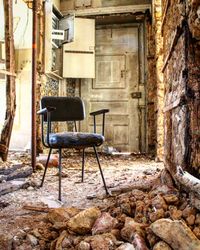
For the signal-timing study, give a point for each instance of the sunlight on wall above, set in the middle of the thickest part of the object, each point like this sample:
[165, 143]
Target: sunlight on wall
[22, 26]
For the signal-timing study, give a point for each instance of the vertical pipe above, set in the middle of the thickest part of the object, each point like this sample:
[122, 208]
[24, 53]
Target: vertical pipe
[34, 81]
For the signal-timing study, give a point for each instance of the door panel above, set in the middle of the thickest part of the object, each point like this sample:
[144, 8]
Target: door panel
[117, 76]
[109, 72]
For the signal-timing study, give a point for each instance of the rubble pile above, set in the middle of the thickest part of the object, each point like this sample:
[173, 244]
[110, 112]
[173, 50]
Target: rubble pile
[160, 219]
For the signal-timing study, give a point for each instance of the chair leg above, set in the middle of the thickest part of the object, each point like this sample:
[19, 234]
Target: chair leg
[97, 157]
[83, 164]
[46, 165]
[60, 173]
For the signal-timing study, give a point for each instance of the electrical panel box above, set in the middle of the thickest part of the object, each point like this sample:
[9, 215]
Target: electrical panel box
[66, 24]
[79, 55]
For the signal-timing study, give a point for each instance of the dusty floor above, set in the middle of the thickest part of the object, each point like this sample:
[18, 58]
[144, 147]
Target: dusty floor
[119, 171]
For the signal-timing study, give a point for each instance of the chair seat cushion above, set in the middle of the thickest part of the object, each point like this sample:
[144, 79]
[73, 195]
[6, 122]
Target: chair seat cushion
[75, 140]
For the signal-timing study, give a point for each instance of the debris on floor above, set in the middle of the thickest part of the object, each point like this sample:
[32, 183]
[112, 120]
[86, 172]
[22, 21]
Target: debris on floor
[158, 218]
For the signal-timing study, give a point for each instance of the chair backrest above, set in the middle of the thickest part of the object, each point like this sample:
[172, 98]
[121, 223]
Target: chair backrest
[67, 108]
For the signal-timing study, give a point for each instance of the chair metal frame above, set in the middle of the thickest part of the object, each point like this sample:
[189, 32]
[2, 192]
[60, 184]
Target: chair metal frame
[46, 113]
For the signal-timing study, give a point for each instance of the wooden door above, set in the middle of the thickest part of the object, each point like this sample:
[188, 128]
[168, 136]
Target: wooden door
[116, 87]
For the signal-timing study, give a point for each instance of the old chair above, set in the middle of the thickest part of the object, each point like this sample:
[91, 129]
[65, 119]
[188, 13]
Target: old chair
[62, 109]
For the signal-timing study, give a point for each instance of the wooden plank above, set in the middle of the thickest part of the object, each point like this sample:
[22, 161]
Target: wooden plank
[190, 182]
[11, 186]
[10, 84]
[37, 209]
[171, 102]
[5, 72]
[175, 39]
[109, 10]
[167, 4]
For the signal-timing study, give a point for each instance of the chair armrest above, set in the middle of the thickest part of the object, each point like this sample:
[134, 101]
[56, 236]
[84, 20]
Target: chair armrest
[46, 114]
[99, 112]
[46, 110]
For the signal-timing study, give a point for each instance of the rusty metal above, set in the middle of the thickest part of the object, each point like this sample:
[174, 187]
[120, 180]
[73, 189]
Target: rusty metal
[34, 81]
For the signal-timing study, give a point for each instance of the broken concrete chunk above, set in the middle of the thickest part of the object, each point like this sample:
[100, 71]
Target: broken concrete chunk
[176, 234]
[161, 245]
[83, 222]
[84, 246]
[139, 242]
[159, 203]
[170, 198]
[6, 241]
[62, 214]
[130, 228]
[102, 242]
[53, 161]
[158, 214]
[32, 239]
[126, 246]
[104, 224]
[189, 211]
[60, 240]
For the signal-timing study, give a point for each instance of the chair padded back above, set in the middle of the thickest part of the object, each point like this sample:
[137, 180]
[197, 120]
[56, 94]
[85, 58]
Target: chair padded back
[67, 108]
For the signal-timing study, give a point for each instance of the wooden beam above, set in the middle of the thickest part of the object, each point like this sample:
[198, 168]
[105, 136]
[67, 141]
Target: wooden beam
[8, 73]
[173, 100]
[177, 35]
[34, 83]
[167, 4]
[188, 181]
[109, 10]
[10, 84]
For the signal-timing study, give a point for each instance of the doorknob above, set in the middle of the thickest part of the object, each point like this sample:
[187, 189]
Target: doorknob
[136, 95]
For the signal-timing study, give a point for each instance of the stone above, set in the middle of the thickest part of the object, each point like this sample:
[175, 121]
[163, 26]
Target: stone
[53, 161]
[159, 203]
[140, 206]
[62, 214]
[60, 240]
[83, 246]
[196, 231]
[171, 198]
[126, 208]
[104, 224]
[39, 166]
[130, 228]
[190, 220]
[126, 246]
[163, 189]
[6, 242]
[189, 211]
[151, 237]
[175, 214]
[32, 239]
[102, 241]
[83, 222]
[158, 214]
[161, 245]
[176, 234]
[139, 242]
[116, 233]
[197, 219]
[138, 194]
